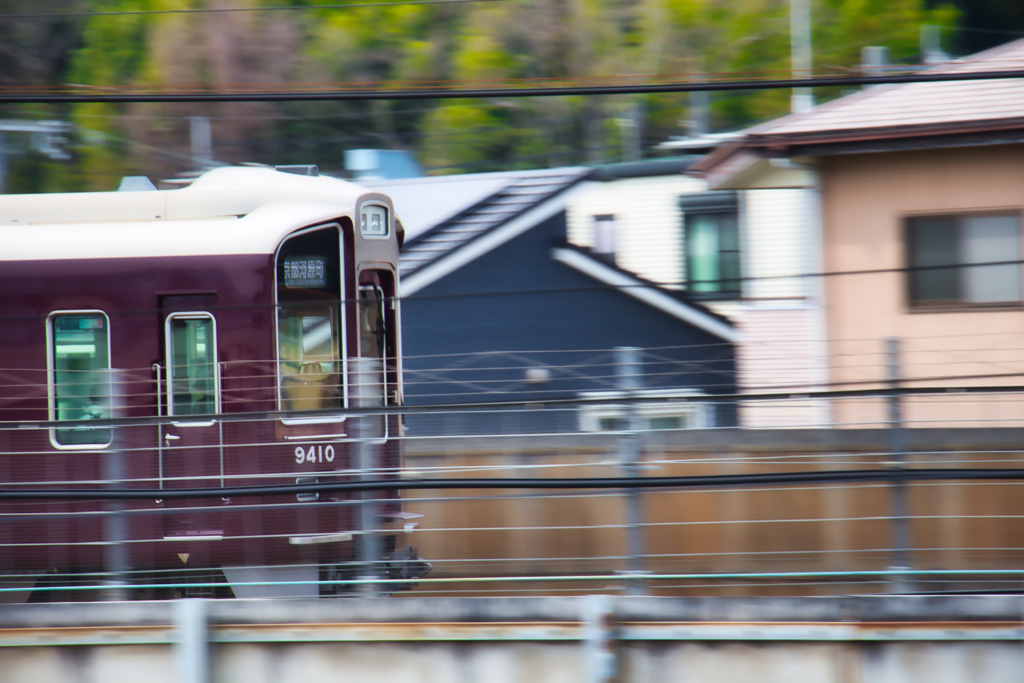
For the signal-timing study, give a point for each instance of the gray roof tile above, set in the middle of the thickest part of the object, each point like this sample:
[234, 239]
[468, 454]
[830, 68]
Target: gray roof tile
[920, 104]
[524, 190]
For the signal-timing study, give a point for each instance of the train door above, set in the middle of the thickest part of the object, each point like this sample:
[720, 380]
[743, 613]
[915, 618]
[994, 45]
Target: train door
[378, 381]
[311, 377]
[371, 382]
[192, 441]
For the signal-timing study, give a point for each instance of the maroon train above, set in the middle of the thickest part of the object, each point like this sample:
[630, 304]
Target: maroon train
[230, 324]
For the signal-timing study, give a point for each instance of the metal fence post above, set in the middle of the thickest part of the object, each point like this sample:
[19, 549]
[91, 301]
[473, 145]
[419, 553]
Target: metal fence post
[365, 374]
[900, 583]
[192, 647]
[598, 638]
[627, 359]
[115, 531]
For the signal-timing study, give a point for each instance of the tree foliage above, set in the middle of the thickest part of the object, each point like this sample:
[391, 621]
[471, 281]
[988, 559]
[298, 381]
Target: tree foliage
[486, 43]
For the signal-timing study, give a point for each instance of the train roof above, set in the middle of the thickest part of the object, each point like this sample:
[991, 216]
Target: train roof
[231, 210]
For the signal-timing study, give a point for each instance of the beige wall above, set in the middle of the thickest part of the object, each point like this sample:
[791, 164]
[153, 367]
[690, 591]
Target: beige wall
[865, 199]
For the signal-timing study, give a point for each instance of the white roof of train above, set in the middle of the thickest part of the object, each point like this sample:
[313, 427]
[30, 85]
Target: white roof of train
[232, 210]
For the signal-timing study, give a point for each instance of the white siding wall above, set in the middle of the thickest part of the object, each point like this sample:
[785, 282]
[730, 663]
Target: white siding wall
[781, 351]
[776, 243]
[648, 223]
[781, 320]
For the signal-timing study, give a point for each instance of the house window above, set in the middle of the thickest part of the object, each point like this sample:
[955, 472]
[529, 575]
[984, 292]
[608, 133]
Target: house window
[958, 242]
[712, 244]
[604, 238]
[658, 409]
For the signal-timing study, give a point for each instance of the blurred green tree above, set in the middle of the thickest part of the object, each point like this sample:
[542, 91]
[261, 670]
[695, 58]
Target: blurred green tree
[486, 43]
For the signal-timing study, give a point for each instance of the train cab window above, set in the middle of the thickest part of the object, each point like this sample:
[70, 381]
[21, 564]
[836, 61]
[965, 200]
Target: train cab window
[309, 327]
[371, 381]
[80, 389]
[307, 348]
[193, 374]
[372, 332]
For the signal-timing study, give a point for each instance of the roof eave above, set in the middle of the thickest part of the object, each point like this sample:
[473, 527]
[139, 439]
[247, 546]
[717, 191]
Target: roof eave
[724, 169]
[783, 145]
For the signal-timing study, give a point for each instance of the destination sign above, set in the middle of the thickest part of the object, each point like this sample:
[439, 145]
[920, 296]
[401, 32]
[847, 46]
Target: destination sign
[305, 271]
[92, 322]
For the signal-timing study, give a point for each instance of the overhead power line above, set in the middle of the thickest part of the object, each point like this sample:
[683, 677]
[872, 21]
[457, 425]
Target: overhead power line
[669, 287]
[878, 388]
[226, 10]
[705, 481]
[385, 91]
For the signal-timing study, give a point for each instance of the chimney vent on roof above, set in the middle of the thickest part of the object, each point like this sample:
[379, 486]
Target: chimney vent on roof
[874, 60]
[931, 45]
[874, 56]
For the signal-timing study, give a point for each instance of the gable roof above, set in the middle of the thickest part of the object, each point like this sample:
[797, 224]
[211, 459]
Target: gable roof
[901, 116]
[522, 200]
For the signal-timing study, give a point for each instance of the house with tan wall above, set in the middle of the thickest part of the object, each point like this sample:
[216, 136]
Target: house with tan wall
[921, 190]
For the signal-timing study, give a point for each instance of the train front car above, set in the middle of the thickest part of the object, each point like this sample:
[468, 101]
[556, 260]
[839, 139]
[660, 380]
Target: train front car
[240, 332]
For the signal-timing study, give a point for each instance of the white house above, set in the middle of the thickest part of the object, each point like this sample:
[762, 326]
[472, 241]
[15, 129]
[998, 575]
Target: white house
[745, 254]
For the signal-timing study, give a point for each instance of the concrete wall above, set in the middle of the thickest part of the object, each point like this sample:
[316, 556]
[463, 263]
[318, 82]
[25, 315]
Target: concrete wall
[650, 640]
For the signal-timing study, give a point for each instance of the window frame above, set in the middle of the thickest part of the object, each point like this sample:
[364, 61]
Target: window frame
[960, 304]
[342, 326]
[51, 379]
[714, 203]
[169, 347]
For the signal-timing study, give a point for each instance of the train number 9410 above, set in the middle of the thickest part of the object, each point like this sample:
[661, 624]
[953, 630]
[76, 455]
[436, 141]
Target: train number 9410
[314, 453]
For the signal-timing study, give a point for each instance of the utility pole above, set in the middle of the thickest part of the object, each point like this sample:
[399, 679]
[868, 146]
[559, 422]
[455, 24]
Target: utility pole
[700, 103]
[202, 141]
[115, 530]
[800, 53]
[630, 129]
[627, 360]
[3, 162]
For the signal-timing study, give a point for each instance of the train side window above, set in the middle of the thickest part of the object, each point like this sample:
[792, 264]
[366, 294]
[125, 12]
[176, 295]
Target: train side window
[193, 374]
[79, 376]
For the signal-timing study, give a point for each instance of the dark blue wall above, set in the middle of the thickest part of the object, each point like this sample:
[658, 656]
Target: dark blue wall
[515, 302]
